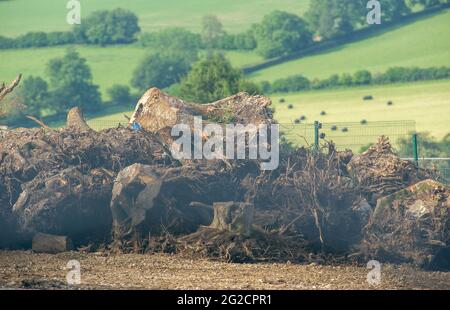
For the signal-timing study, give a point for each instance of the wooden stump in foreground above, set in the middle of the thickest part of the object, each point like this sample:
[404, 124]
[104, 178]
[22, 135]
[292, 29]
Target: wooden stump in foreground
[233, 216]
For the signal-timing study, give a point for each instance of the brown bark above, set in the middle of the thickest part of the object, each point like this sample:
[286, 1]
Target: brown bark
[75, 120]
[233, 216]
[157, 111]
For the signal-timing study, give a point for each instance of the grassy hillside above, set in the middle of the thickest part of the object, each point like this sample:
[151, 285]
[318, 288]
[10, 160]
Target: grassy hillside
[427, 103]
[110, 65]
[423, 43]
[20, 16]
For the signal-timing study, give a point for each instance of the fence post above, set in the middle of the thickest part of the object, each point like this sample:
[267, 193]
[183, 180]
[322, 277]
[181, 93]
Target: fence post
[415, 149]
[317, 127]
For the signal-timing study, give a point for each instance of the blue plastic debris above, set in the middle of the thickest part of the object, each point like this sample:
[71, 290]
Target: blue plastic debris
[136, 126]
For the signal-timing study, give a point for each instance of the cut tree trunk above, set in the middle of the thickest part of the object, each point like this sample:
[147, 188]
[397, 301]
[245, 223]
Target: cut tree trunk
[44, 243]
[233, 216]
[157, 111]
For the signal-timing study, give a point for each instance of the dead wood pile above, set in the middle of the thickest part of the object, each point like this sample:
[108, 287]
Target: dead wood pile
[60, 181]
[380, 172]
[152, 200]
[124, 183]
[412, 225]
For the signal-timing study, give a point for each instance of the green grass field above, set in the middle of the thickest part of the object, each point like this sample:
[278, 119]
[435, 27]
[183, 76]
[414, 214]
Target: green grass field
[426, 103]
[109, 65]
[423, 43]
[21, 16]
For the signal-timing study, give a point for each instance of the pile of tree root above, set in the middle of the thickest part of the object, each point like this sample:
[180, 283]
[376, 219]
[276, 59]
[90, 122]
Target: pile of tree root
[122, 188]
[60, 181]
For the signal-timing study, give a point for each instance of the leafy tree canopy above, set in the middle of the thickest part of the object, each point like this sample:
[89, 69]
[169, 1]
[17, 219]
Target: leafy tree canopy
[108, 27]
[281, 33]
[213, 78]
[71, 83]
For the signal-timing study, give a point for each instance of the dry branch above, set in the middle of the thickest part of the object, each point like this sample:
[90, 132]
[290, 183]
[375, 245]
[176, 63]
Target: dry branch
[41, 123]
[4, 90]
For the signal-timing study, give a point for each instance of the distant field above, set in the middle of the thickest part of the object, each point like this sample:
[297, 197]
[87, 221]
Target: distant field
[21, 16]
[423, 43]
[110, 65]
[426, 103]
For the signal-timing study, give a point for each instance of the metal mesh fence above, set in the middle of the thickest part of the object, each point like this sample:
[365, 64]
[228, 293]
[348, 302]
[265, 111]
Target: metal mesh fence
[346, 135]
[98, 124]
[354, 136]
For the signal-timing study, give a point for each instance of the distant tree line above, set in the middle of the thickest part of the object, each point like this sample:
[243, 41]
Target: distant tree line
[117, 26]
[332, 18]
[363, 77]
[278, 34]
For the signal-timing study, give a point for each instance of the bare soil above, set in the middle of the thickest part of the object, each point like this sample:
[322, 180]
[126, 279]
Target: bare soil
[25, 269]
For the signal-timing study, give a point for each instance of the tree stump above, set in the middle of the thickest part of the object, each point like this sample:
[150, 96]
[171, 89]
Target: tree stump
[75, 119]
[233, 216]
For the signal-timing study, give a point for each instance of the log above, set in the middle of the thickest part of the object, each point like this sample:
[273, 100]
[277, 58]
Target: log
[157, 111]
[233, 216]
[72, 203]
[45, 243]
